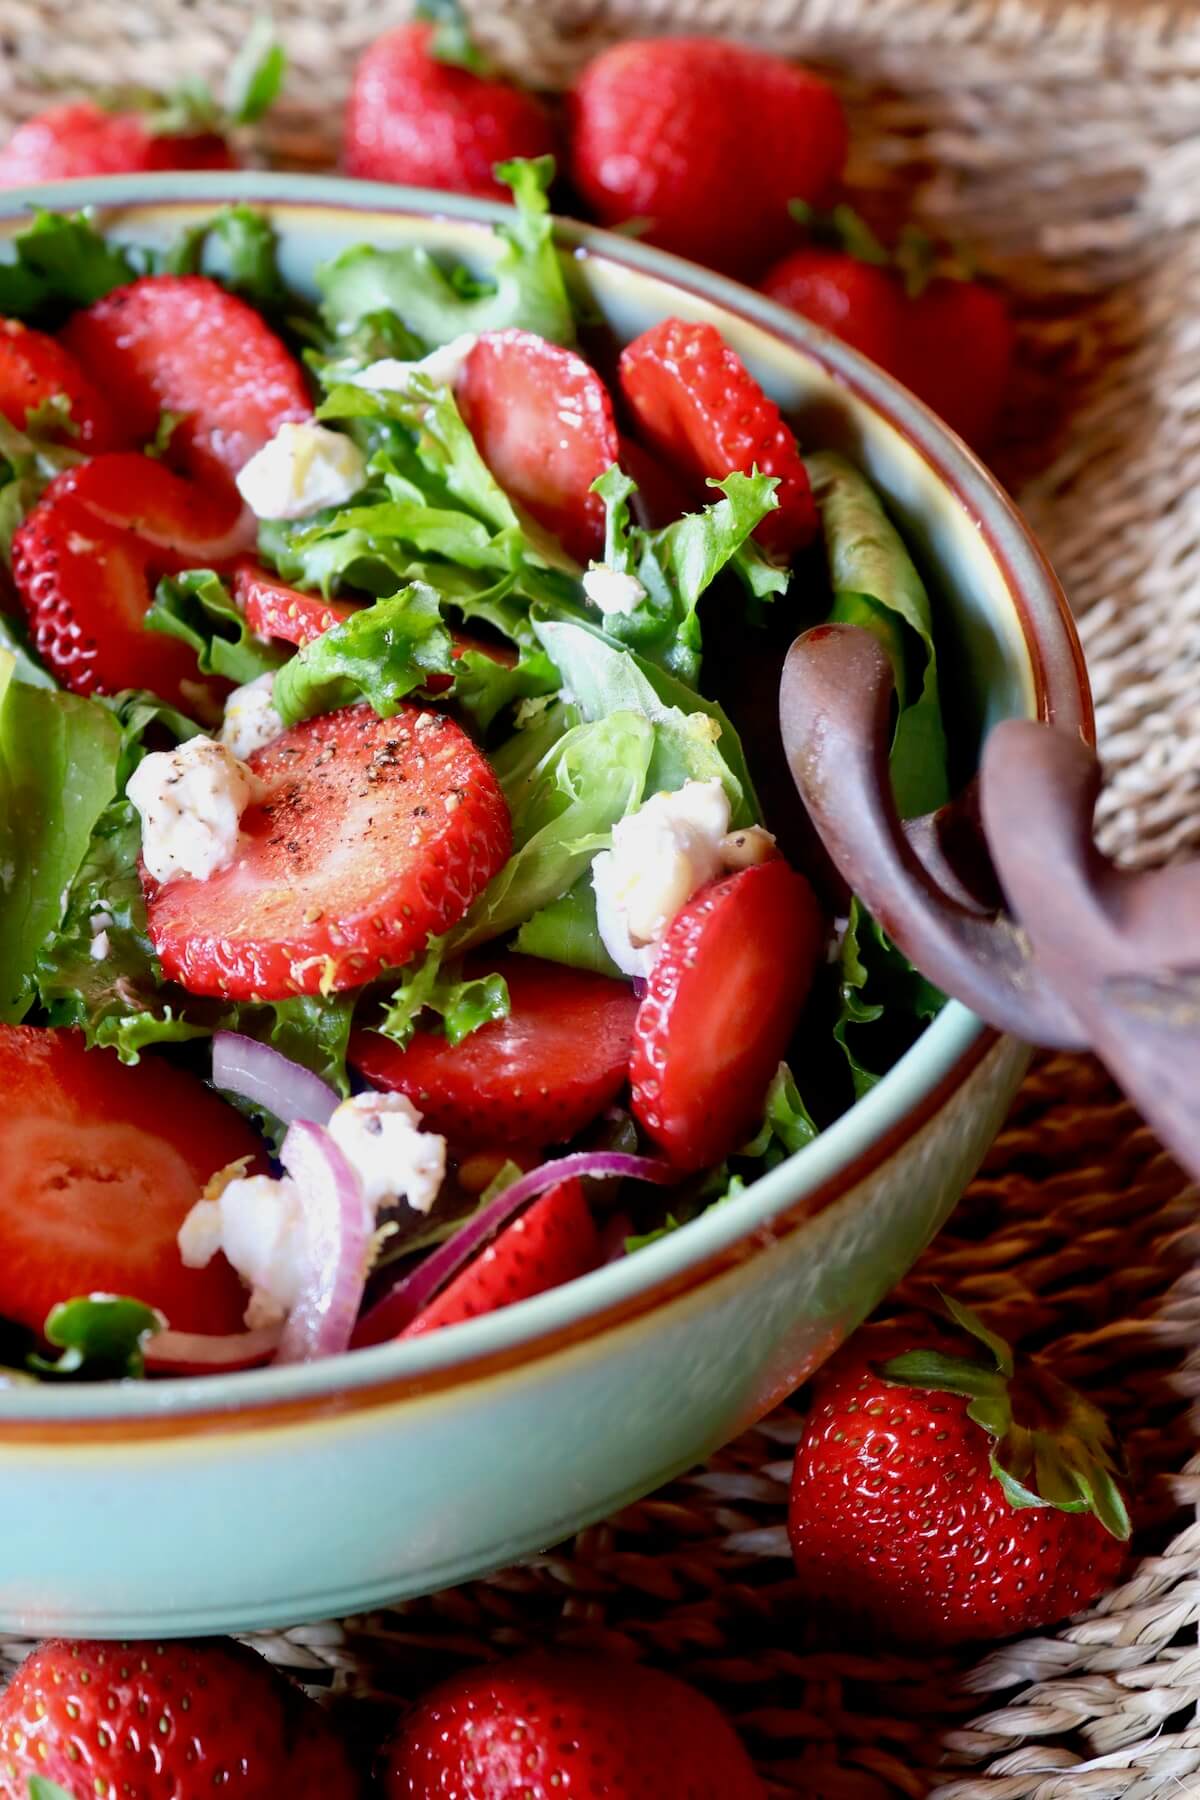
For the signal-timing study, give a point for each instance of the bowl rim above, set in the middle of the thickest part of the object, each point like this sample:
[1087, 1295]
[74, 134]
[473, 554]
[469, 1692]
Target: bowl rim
[722, 1239]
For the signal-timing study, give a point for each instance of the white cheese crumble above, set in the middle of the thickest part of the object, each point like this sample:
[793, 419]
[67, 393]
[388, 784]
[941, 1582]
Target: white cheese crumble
[442, 366]
[380, 1137]
[191, 800]
[250, 718]
[612, 591]
[304, 468]
[661, 854]
[262, 1227]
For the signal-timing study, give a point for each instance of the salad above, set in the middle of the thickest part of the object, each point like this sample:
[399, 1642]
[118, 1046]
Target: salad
[403, 904]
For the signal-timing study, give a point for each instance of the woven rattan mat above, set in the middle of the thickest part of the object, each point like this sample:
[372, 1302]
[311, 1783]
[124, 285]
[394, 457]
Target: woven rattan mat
[1063, 140]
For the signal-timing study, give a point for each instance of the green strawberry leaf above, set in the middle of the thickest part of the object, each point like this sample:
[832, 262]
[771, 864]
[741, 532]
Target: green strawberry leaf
[452, 41]
[256, 75]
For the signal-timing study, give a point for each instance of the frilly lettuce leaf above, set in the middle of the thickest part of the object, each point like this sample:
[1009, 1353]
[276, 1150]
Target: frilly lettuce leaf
[875, 584]
[197, 608]
[14, 640]
[240, 247]
[59, 756]
[461, 1005]
[526, 286]
[379, 654]
[884, 1001]
[29, 461]
[678, 563]
[101, 1337]
[58, 263]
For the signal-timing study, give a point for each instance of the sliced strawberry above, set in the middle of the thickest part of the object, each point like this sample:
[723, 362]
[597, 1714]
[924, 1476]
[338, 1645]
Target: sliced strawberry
[273, 609]
[543, 421]
[721, 1004]
[700, 407]
[371, 833]
[102, 1162]
[86, 561]
[535, 1078]
[35, 369]
[181, 344]
[554, 1241]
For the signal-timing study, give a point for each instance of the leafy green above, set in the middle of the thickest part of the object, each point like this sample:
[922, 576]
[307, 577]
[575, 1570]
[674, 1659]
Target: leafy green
[27, 665]
[58, 263]
[463, 1006]
[256, 74]
[197, 608]
[452, 41]
[878, 988]
[695, 739]
[100, 1336]
[29, 461]
[41, 1789]
[484, 687]
[379, 654]
[787, 1123]
[564, 810]
[875, 584]
[678, 563]
[312, 1029]
[566, 932]
[58, 769]
[240, 246]
[526, 287]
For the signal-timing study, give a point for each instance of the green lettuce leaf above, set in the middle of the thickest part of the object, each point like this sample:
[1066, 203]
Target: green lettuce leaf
[787, 1123]
[59, 263]
[58, 770]
[380, 655]
[678, 563]
[312, 1029]
[566, 932]
[256, 75]
[564, 809]
[41, 1789]
[101, 1337]
[14, 640]
[884, 1002]
[197, 608]
[526, 287]
[695, 739]
[875, 584]
[484, 688]
[461, 1005]
[240, 247]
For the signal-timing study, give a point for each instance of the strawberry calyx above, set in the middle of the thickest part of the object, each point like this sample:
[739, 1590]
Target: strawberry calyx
[1050, 1446]
[451, 40]
[915, 257]
[250, 89]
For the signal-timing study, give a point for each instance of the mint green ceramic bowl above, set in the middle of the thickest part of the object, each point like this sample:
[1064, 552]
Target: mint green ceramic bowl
[281, 1495]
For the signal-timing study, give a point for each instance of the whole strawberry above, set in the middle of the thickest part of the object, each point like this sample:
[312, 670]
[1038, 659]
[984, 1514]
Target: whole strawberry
[146, 132]
[940, 1495]
[416, 116]
[146, 1721]
[541, 1727]
[708, 141]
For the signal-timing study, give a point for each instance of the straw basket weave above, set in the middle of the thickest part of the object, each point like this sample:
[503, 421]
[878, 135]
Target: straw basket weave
[1063, 140]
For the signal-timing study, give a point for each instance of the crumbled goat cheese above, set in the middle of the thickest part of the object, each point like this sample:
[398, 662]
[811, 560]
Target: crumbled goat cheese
[612, 591]
[250, 718]
[442, 366]
[304, 467]
[262, 1227]
[380, 1137]
[191, 800]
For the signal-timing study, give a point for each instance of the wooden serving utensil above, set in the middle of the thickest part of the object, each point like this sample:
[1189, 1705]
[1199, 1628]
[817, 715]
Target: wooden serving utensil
[1002, 898]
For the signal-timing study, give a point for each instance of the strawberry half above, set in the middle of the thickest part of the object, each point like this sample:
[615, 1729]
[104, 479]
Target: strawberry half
[721, 1004]
[273, 609]
[103, 1161]
[35, 369]
[545, 1724]
[532, 1079]
[181, 344]
[165, 1719]
[370, 834]
[88, 556]
[543, 421]
[551, 1243]
[700, 407]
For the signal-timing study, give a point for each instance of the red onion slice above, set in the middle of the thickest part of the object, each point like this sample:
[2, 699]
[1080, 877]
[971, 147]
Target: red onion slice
[266, 1077]
[197, 1353]
[339, 1229]
[401, 1304]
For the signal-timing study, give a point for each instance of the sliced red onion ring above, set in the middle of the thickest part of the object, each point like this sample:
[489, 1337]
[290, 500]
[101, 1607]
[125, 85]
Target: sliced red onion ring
[266, 1077]
[339, 1229]
[401, 1304]
[197, 1353]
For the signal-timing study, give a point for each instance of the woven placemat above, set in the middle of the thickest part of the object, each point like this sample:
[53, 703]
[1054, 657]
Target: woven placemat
[1062, 141]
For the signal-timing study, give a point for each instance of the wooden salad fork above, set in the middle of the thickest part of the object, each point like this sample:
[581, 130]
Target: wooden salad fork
[1002, 898]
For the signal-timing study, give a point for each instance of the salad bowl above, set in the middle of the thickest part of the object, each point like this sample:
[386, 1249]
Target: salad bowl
[267, 1497]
